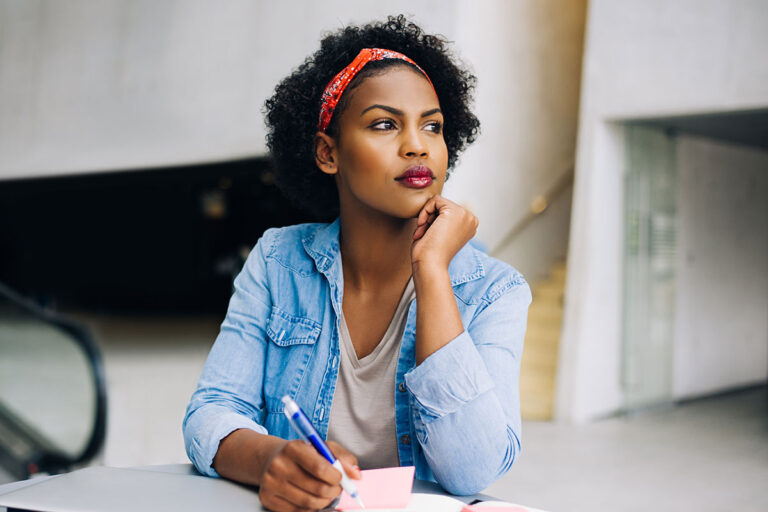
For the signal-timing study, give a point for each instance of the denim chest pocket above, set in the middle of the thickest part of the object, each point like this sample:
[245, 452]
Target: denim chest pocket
[292, 344]
[285, 329]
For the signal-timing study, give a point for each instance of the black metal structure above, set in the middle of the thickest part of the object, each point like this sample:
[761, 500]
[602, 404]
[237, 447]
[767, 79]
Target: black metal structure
[23, 450]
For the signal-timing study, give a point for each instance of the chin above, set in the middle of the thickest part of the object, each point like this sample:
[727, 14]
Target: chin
[412, 210]
[407, 207]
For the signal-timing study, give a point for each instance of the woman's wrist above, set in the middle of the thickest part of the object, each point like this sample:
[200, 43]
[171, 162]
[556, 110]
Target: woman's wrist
[244, 454]
[429, 280]
[429, 270]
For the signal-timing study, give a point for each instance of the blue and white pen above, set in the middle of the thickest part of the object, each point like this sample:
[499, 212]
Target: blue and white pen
[304, 428]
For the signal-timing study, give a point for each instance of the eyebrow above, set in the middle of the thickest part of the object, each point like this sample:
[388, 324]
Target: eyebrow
[397, 111]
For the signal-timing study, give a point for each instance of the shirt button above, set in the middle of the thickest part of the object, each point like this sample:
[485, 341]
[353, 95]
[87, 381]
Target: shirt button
[401, 387]
[406, 439]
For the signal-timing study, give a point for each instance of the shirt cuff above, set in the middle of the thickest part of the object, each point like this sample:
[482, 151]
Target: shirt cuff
[204, 450]
[449, 378]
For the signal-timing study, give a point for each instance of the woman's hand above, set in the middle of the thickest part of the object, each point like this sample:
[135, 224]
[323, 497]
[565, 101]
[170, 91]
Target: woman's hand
[297, 478]
[443, 227]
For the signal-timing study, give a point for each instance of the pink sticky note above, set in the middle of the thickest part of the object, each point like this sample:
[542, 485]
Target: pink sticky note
[489, 508]
[381, 488]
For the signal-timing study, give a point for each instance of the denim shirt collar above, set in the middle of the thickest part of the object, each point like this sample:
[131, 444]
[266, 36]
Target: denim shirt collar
[322, 245]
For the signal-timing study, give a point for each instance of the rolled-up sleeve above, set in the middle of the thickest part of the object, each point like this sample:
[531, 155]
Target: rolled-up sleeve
[229, 393]
[466, 395]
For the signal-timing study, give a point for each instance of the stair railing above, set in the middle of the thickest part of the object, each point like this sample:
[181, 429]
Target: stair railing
[538, 205]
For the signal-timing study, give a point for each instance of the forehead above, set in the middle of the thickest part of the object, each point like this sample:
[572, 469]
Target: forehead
[399, 87]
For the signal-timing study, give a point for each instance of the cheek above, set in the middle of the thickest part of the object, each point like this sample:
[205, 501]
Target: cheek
[369, 158]
[443, 156]
[365, 156]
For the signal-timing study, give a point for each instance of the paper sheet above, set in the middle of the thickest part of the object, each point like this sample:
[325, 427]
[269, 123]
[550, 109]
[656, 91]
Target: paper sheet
[386, 488]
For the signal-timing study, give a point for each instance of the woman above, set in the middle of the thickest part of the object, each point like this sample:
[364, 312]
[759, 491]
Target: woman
[400, 340]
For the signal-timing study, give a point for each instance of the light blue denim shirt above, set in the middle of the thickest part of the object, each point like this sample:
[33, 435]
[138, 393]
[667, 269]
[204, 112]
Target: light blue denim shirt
[457, 414]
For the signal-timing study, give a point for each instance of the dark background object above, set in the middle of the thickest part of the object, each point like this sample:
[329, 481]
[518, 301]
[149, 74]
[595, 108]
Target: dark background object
[153, 241]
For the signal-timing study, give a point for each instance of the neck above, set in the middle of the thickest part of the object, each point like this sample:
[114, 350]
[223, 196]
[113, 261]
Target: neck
[375, 249]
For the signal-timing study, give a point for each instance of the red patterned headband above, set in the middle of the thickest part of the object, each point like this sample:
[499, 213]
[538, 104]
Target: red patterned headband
[335, 88]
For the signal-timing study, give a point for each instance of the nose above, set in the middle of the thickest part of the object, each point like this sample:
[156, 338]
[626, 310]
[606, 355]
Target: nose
[413, 143]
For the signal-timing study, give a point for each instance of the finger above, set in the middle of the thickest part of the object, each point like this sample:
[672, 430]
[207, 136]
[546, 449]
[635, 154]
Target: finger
[316, 487]
[430, 219]
[438, 205]
[342, 453]
[279, 504]
[312, 462]
[301, 498]
[347, 458]
[351, 469]
[439, 202]
[428, 208]
[307, 483]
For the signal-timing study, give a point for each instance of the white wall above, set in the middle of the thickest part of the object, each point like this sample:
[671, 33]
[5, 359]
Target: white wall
[721, 331]
[642, 58]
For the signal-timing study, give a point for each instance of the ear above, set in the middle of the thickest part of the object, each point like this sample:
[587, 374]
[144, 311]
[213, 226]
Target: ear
[325, 153]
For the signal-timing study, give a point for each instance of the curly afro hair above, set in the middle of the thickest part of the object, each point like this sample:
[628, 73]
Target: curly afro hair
[292, 112]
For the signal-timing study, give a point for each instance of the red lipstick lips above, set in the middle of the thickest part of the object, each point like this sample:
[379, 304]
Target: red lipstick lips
[418, 176]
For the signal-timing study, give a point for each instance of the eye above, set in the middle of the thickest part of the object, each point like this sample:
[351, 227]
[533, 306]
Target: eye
[435, 127]
[383, 125]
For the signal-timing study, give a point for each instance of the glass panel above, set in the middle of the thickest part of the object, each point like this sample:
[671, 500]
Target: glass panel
[46, 382]
[649, 267]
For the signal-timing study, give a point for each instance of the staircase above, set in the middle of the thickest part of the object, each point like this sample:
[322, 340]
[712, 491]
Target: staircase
[538, 369]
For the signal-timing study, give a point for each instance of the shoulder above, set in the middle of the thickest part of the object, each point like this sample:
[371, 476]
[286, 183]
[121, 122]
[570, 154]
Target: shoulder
[480, 278]
[276, 240]
[285, 246]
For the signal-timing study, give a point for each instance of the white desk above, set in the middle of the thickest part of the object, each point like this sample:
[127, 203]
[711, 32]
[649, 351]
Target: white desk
[419, 486]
